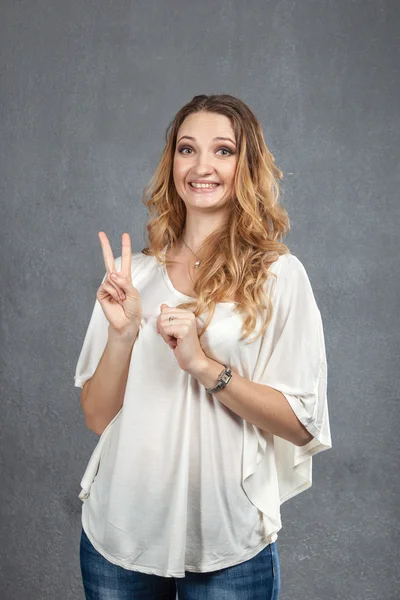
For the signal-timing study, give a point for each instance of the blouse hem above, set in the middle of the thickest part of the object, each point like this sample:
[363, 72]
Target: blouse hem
[163, 573]
[252, 554]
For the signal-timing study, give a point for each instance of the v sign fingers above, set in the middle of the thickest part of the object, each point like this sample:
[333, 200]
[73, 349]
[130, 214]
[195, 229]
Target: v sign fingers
[119, 299]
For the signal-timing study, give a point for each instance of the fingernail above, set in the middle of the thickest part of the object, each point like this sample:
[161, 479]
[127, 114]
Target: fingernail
[113, 275]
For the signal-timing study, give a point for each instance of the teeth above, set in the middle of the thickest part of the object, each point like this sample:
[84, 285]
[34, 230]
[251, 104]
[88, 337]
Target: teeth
[204, 185]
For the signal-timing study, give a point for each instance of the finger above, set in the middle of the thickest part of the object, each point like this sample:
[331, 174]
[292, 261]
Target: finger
[115, 285]
[172, 311]
[109, 289]
[107, 252]
[169, 338]
[177, 317]
[173, 329]
[108, 256]
[124, 283]
[176, 321]
[126, 256]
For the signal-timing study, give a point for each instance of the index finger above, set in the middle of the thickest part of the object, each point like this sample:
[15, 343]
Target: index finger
[126, 256]
[107, 252]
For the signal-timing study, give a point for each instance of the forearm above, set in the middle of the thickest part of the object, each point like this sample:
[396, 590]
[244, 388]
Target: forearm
[102, 396]
[259, 404]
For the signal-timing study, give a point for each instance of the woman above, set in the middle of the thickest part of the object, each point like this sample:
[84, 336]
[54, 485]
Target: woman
[205, 429]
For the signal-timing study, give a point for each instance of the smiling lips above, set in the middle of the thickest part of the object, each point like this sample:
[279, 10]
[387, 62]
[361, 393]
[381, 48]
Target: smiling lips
[202, 187]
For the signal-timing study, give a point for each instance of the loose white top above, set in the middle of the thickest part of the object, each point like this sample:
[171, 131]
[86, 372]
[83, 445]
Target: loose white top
[177, 480]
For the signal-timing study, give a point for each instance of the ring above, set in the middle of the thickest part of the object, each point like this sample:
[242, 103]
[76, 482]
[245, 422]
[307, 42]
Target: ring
[170, 318]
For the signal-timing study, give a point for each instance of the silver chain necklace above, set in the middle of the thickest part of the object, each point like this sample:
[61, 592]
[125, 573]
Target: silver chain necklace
[197, 261]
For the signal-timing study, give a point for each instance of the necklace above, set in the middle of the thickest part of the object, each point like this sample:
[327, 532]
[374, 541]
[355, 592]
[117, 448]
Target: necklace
[197, 261]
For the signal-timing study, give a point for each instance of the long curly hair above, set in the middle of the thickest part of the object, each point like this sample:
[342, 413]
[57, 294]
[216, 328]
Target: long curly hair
[235, 257]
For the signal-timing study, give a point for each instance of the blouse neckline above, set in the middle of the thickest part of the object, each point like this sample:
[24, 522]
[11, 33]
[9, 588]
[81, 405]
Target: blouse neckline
[173, 289]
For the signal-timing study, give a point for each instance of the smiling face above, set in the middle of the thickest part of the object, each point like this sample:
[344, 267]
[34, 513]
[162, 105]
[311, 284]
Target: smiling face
[202, 157]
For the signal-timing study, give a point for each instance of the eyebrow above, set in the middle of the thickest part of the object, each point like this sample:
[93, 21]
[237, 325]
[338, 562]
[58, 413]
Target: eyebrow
[216, 138]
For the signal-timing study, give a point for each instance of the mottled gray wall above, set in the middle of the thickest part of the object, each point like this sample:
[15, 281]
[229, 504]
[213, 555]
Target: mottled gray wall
[87, 90]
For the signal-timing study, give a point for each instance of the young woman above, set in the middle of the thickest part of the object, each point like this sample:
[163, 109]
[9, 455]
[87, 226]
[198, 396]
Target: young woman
[204, 372]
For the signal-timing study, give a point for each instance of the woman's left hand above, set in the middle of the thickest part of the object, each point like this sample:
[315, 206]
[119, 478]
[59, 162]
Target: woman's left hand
[181, 335]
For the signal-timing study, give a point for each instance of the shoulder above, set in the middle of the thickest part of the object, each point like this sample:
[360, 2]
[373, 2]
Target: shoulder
[288, 265]
[291, 279]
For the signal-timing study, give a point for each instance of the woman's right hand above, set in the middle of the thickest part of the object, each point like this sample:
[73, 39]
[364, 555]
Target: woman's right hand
[119, 300]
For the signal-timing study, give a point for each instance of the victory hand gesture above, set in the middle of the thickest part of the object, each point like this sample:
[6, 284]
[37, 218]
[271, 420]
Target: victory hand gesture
[119, 300]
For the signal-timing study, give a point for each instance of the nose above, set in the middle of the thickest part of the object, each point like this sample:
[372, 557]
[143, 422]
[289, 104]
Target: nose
[203, 166]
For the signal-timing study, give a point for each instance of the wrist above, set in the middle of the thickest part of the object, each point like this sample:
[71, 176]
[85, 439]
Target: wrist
[126, 335]
[207, 372]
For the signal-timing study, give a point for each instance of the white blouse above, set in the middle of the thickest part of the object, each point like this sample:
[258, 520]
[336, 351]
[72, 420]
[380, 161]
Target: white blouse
[179, 482]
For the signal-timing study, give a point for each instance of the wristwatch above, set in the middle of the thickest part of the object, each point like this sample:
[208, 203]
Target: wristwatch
[223, 379]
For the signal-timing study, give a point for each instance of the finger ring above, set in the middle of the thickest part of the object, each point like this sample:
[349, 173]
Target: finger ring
[170, 318]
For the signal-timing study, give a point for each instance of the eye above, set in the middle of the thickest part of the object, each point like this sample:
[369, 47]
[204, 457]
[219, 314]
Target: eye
[182, 148]
[227, 149]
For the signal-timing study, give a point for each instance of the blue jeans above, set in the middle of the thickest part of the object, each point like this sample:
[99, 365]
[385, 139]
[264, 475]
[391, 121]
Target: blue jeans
[254, 579]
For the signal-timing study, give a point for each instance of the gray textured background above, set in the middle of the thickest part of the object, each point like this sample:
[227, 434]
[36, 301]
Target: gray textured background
[87, 90]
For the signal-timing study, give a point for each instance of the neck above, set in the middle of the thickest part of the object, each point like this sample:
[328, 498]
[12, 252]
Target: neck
[195, 236]
[198, 227]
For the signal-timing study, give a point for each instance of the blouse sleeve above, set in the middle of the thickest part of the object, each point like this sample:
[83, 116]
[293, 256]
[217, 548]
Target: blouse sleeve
[292, 360]
[94, 342]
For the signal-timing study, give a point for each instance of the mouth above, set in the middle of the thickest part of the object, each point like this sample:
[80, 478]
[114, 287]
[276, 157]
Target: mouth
[204, 188]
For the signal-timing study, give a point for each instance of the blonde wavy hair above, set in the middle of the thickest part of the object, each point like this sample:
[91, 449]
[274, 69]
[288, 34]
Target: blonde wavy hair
[235, 257]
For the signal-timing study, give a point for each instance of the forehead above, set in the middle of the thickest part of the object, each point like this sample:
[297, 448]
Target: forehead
[205, 125]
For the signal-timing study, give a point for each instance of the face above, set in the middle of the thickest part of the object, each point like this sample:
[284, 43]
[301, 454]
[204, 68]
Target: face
[200, 156]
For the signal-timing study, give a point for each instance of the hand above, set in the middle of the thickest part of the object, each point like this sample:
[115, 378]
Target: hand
[119, 300]
[181, 335]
